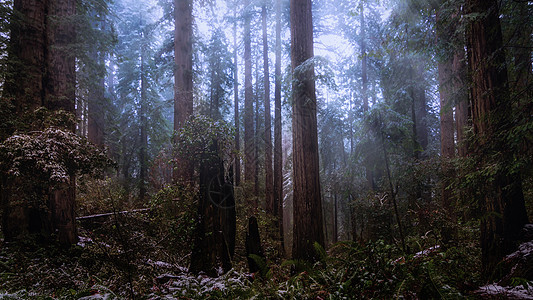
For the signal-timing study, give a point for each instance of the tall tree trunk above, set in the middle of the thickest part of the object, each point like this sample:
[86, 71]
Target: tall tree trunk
[421, 111]
[27, 48]
[446, 86]
[237, 162]
[278, 152]
[308, 221]
[269, 177]
[257, 131]
[144, 138]
[95, 105]
[249, 162]
[60, 94]
[364, 58]
[503, 202]
[24, 88]
[183, 75]
[364, 82]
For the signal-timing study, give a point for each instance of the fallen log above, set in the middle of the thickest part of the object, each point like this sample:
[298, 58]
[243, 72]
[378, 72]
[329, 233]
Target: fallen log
[106, 215]
[97, 220]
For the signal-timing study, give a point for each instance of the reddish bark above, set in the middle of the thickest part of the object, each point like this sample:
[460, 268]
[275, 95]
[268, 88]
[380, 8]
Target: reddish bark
[503, 201]
[183, 84]
[308, 221]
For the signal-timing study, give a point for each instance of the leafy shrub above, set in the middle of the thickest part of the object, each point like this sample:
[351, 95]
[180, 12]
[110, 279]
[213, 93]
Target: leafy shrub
[174, 217]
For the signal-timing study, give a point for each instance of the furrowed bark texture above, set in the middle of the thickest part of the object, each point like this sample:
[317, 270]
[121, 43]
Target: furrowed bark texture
[249, 161]
[60, 94]
[308, 222]
[503, 201]
[183, 84]
[278, 152]
[269, 177]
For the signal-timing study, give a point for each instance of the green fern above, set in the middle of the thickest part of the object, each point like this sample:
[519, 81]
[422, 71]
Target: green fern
[299, 265]
[261, 263]
[321, 252]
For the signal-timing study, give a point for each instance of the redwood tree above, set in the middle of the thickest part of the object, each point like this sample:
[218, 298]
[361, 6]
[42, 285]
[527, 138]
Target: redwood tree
[60, 94]
[503, 199]
[269, 177]
[237, 162]
[183, 75]
[24, 87]
[278, 159]
[249, 162]
[445, 29]
[44, 75]
[308, 222]
[27, 55]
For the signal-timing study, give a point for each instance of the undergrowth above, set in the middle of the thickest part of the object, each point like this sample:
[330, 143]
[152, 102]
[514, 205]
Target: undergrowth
[127, 263]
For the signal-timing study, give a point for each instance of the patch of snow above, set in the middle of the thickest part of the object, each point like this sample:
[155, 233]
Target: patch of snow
[82, 241]
[525, 249]
[427, 251]
[518, 292]
[186, 283]
[161, 264]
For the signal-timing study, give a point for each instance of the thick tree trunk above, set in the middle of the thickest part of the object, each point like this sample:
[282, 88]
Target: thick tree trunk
[27, 48]
[503, 201]
[308, 221]
[24, 89]
[249, 147]
[60, 94]
[214, 239]
[278, 152]
[269, 177]
[445, 29]
[447, 145]
[183, 75]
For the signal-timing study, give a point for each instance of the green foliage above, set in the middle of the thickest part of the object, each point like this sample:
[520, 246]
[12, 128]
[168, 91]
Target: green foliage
[139, 97]
[97, 195]
[261, 263]
[51, 155]
[321, 252]
[219, 73]
[196, 138]
[174, 217]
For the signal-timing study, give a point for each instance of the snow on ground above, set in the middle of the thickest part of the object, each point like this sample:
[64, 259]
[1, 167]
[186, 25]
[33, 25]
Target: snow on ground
[427, 252]
[524, 250]
[494, 290]
[185, 283]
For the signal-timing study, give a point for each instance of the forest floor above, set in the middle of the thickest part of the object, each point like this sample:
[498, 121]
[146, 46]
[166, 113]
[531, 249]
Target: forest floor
[120, 258]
